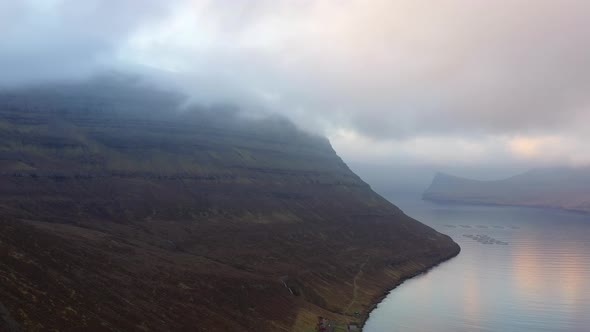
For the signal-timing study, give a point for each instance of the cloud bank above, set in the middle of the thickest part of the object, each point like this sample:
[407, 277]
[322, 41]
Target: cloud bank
[426, 81]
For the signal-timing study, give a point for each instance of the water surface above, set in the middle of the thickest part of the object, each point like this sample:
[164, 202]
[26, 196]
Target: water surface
[538, 281]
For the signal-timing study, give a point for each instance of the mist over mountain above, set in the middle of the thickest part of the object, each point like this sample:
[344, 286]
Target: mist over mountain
[454, 83]
[172, 165]
[122, 208]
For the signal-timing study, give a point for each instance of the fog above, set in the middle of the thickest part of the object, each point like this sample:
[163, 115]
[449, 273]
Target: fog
[481, 88]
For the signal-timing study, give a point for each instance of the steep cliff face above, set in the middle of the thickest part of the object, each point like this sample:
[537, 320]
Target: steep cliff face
[120, 213]
[563, 188]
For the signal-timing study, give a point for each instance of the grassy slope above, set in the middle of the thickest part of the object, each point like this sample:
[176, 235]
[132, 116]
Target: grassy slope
[118, 216]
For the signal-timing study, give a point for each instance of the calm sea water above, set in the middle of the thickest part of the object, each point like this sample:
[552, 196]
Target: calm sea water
[539, 281]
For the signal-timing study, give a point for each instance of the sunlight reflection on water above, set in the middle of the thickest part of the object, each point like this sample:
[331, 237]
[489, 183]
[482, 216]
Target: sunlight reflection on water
[539, 281]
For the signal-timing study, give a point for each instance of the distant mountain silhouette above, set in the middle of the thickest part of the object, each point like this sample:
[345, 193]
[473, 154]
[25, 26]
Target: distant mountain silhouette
[563, 188]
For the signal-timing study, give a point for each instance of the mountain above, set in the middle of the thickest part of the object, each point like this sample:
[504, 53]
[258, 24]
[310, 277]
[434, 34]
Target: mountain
[562, 188]
[122, 209]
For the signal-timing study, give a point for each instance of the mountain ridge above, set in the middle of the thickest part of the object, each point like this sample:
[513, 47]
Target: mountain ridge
[559, 187]
[119, 212]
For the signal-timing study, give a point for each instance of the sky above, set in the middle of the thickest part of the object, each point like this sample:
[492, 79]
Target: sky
[435, 84]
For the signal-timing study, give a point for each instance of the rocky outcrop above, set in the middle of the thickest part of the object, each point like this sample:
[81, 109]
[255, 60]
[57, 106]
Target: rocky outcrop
[119, 213]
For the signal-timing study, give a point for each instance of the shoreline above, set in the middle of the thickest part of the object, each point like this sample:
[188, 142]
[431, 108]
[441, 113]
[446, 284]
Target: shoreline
[380, 299]
[450, 201]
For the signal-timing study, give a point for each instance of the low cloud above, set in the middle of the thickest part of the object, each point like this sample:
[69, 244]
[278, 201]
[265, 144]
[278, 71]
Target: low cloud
[44, 40]
[446, 81]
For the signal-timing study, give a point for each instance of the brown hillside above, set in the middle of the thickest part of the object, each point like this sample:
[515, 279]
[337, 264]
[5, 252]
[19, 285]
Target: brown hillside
[118, 213]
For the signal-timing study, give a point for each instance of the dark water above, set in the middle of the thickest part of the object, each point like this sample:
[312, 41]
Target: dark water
[539, 281]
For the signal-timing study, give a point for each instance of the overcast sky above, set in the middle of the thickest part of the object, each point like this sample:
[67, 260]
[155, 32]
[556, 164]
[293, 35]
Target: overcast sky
[412, 82]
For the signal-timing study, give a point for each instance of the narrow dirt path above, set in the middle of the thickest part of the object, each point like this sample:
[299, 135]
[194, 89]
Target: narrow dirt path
[355, 287]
